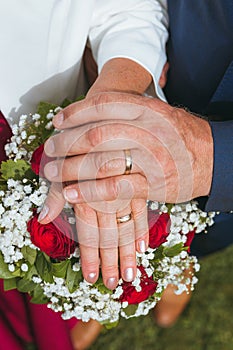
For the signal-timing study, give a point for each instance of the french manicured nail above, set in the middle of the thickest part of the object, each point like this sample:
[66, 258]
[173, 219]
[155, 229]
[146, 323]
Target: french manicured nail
[111, 283]
[129, 275]
[70, 194]
[44, 212]
[51, 170]
[142, 246]
[91, 277]
[58, 119]
[50, 147]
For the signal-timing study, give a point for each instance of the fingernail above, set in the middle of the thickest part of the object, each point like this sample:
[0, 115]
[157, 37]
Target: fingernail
[51, 170]
[70, 194]
[50, 147]
[142, 246]
[129, 275]
[111, 283]
[59, 118]
[92, 277]
[44, 212]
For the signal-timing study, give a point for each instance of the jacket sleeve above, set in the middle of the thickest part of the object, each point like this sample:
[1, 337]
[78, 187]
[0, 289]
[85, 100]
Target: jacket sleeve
[134, 29]
[221, 195]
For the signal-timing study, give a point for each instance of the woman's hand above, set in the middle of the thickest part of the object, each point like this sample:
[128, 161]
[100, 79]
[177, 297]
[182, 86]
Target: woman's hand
[101, 235]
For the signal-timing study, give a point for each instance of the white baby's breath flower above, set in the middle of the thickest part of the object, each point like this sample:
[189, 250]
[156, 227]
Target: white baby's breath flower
[24, 267]
[11, 267]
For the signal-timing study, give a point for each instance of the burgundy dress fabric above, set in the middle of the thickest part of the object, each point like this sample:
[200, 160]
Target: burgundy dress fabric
[22, 322]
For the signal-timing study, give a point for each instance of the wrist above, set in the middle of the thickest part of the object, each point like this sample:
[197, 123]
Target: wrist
[203, 164]
[121, 75]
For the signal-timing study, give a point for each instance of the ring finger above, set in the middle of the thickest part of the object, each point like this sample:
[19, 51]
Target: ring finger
[108, 247]
[127, 251]
[88, 238]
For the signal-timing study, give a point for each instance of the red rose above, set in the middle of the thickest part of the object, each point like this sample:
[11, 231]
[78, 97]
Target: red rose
[56, 238]
[159, 228]
[5, 135]
[147, 284]
[189, 239]
[39, 160]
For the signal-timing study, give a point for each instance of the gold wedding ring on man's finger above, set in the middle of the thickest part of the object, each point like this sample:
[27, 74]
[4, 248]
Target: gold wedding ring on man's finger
[124, 219]
[128, 162]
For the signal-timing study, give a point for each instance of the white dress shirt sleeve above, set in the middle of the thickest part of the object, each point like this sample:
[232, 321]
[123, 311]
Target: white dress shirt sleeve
[134, 29]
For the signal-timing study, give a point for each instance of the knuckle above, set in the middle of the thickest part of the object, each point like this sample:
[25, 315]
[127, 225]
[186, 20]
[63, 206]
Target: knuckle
[113, 188]
[139, 206]
[100, 163]
[110, 269]
[99, 100]
[84, 211]
[89, 264]
[128, 259]
[109, 242]
[127, 236]
[107, 190]
[88, 240]
[94, 136]
[55, 193]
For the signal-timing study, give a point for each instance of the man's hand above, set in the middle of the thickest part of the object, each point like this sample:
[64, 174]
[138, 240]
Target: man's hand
[172, 150]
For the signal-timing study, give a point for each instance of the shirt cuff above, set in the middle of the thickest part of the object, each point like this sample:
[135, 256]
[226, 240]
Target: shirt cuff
[221, 194]
[136, 53]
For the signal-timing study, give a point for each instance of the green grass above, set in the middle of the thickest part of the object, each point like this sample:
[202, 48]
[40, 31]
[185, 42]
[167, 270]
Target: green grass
[206, 324]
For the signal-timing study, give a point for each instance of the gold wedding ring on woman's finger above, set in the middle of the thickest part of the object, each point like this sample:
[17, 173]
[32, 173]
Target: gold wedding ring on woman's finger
[128, 162]
[124, 219]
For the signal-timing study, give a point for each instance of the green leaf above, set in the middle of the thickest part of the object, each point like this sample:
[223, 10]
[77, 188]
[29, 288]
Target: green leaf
[38, 296]
[59, 269]
[31, 272]
[47, 258]
[169, 207]
[173, 251]
[73, 278]
[14, 169]
[44, 268]
[159, 253]
[44, 108]
[4, 271]
[18, 272]
[80, 98]
[130, 309]
[29, 254]
[101, 287]
[68, 102]
[10, 284]
[30, 346]
[3, 184]
[110, 325]
[25, 286]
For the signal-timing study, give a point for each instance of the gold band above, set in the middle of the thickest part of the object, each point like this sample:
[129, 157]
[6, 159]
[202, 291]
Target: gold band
[128, 162]
[124, 218]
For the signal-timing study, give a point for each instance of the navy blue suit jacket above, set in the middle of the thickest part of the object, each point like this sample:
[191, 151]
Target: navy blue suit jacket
[200, 53]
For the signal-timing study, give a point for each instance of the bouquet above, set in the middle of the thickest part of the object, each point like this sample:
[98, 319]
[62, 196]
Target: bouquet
[44, 260]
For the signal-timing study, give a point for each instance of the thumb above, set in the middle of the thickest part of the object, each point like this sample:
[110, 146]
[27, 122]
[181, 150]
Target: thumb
[53, 205]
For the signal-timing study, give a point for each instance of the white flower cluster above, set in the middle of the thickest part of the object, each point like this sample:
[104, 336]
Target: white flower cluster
[16, 148]
[16, 206]
[89, 301]
[185, 217]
